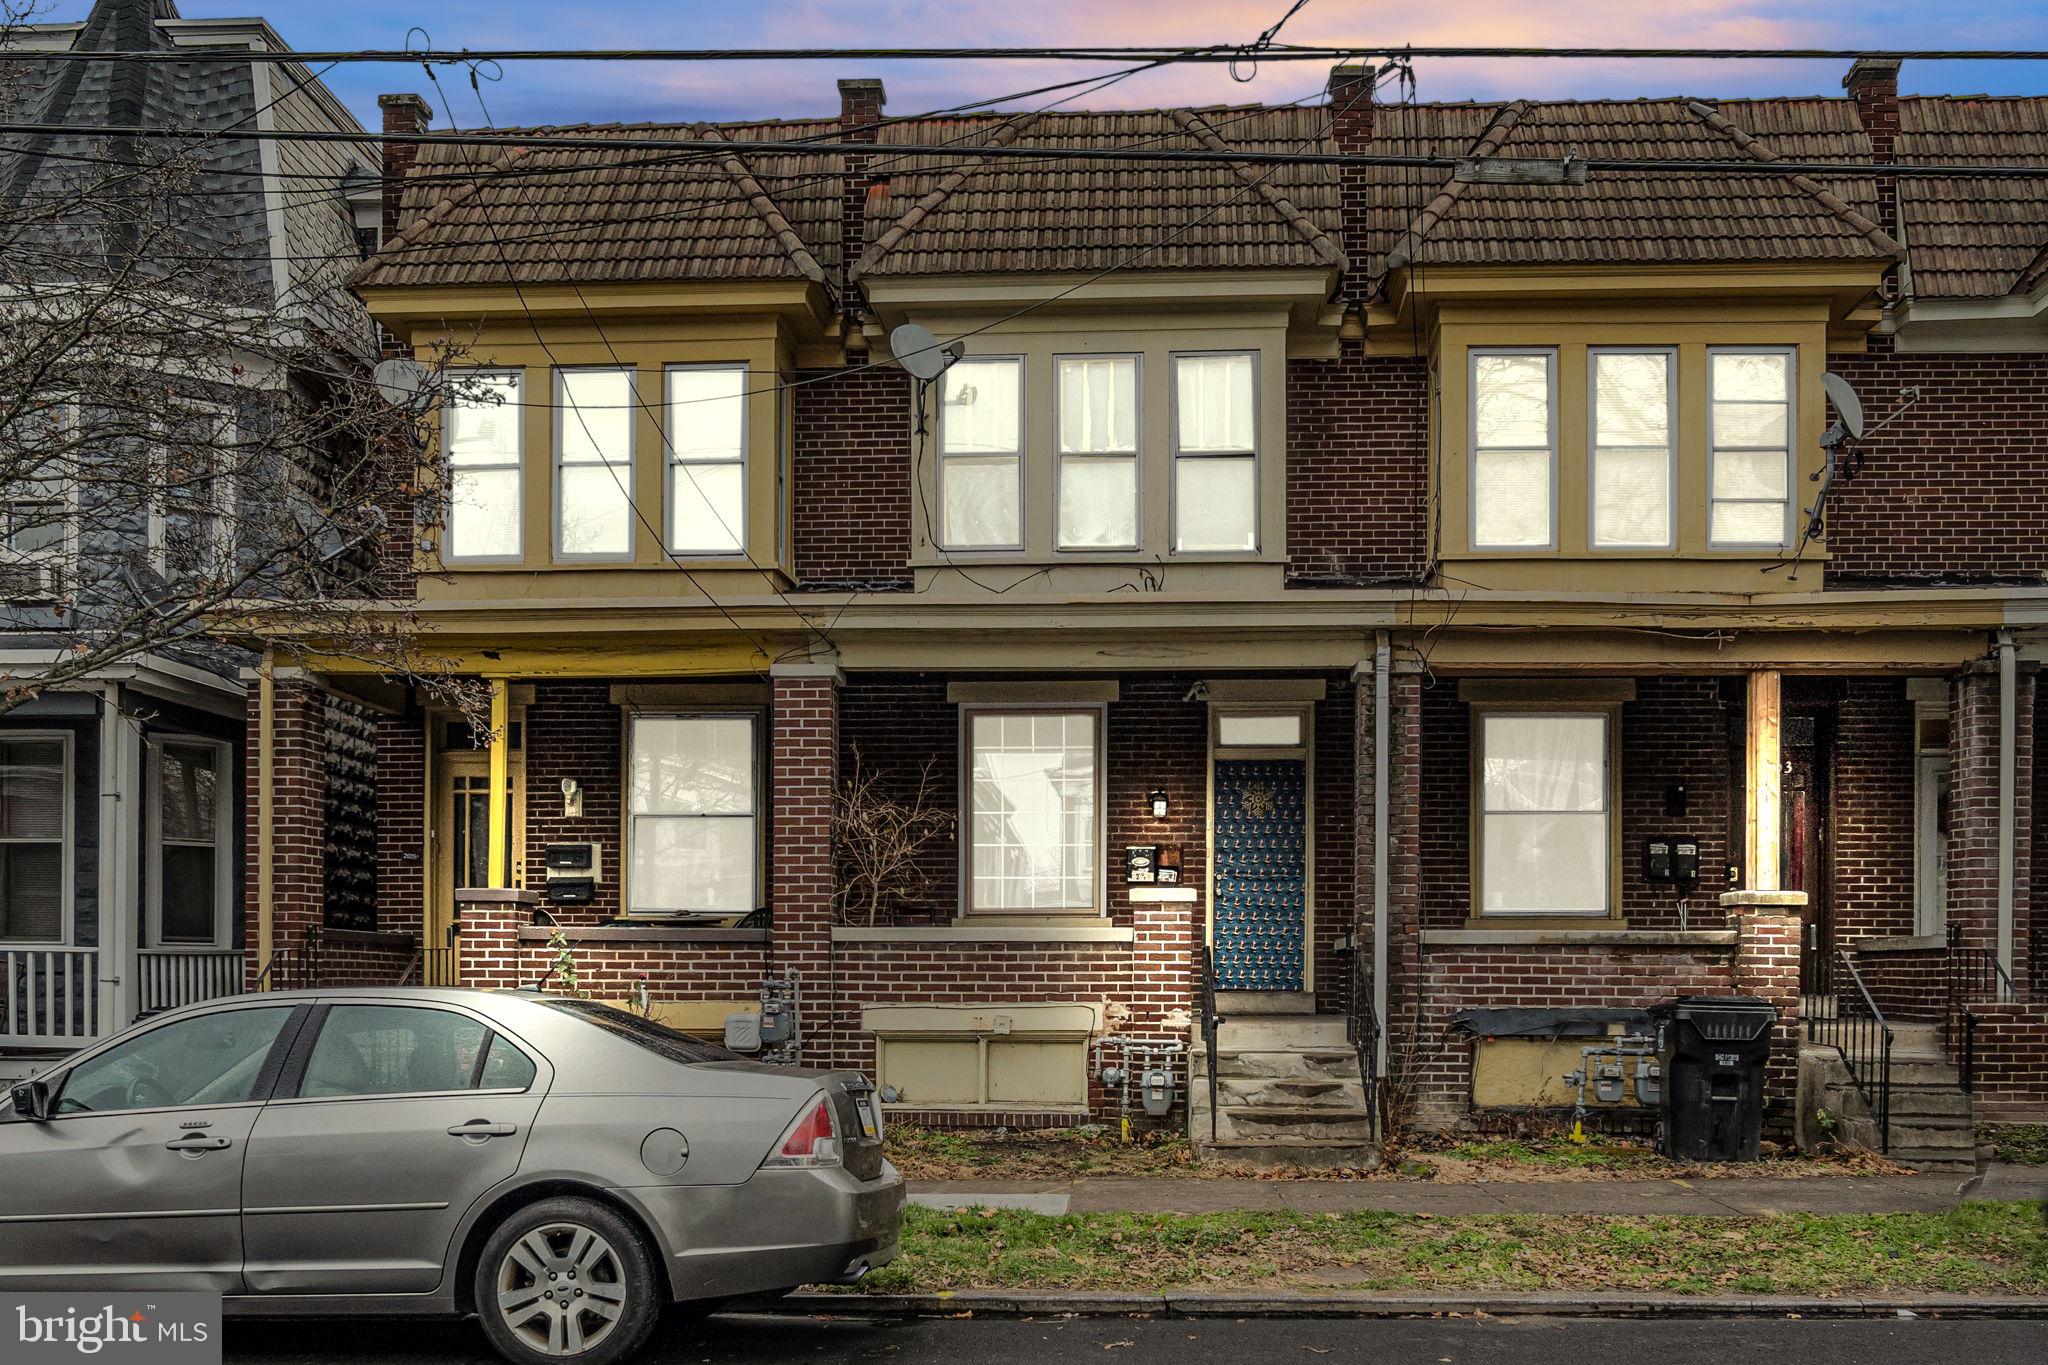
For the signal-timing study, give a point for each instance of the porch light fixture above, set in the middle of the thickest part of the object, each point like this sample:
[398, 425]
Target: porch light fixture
[1158, 799]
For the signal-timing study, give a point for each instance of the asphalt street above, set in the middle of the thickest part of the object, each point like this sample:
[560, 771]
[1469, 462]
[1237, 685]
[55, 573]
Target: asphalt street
[745, 1340]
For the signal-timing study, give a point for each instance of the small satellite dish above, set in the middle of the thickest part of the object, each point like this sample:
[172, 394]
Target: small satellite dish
[399, 380]
[919, 352]
[1846, 403]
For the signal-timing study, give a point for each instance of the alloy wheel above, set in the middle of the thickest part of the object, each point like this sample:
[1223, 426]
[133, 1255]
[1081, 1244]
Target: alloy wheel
[561, 1289]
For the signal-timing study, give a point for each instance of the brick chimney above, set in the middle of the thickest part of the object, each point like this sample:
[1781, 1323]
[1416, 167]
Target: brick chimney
[861, 101]
[1351, 128]
[1873, 86]
[402, 114]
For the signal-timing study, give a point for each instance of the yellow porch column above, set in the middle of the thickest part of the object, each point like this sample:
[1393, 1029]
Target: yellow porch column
[501, 783]
[1763, 825]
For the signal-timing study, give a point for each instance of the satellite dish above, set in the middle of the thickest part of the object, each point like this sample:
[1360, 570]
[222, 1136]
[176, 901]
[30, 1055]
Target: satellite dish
[919, 352]
[1846, 403]
[399, 380]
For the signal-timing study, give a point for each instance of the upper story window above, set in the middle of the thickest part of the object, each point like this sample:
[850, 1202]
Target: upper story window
[981, 455]
[1216, 453]
[1751, 401]
[485, 449]
[706, 492]
[35, 837]
[594, 411]
[1634, 464]
[1098, 452]
[192, 516]
[1514, 449]
[38, 514]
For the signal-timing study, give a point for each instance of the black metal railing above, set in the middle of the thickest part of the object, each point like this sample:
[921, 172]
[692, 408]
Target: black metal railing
[1849, 1021]
[1211, 1022]
[291, 967]
[2037, 960]
[1362, 1027]
[1974, 976]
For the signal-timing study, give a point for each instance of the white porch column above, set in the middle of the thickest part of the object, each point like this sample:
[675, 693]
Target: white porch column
[122, 802]
[1763, 817]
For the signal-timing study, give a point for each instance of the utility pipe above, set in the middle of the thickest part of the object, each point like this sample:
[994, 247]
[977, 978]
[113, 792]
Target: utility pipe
[266, 810]
[1382, 669]
[2008, 815]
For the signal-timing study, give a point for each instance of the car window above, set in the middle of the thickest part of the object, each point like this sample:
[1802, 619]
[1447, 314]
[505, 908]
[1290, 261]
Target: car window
[393, 1050]
[212, 1059]
[506, 1067]
[659, 1039]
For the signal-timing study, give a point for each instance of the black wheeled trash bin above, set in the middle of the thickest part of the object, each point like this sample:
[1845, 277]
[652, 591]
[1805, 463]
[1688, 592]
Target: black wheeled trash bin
[1715, 1048]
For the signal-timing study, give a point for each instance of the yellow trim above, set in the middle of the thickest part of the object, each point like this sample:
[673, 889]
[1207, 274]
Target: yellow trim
[501, 782]
[433, 303]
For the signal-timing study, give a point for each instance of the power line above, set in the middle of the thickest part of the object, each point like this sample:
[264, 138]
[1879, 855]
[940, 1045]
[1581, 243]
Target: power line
[1107, 155]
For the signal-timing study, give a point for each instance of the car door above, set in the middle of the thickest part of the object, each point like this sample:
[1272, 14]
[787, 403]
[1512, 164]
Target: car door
[391, 1119]
[133, 1181]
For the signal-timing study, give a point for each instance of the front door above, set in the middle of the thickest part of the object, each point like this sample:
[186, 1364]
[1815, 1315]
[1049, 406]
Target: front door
[462, 842]
[1805, 862]
[135, 1179]
[385, 1131]
[1259, 836]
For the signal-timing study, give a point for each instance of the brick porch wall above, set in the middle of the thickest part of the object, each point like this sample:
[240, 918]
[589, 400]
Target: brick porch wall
[2010, 1062]
[1973, 811]
[1875, 748]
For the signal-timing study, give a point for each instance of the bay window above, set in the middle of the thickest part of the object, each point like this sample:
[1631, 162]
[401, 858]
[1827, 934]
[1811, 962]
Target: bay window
[1634, 457]
[35, 837]
[1215, 453]
[191, 529]
[484, 443]
[1514, 449]
[693, 801]
[1545, 788]
[981, 454]
[707, 463]
[594, 421]
[37, 511]
[189, 824]
[1098, 452]
[1034, 838]
[1750, 397]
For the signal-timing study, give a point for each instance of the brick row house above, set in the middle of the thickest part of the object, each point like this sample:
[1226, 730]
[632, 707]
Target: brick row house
[1386, 602]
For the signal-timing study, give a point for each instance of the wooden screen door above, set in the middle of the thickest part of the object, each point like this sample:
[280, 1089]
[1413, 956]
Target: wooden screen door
[462, 840]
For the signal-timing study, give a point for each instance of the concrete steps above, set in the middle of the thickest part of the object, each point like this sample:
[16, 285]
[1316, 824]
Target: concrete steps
[1932, 1126]
[1288, 1093]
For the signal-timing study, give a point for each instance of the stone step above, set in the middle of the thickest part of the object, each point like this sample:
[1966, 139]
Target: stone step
[1932, 1159]
[1928, 1101]
[1260, 1032]
[1273, 1152]
[1303, 1062]
[1318, 1092]
[1235, 1121]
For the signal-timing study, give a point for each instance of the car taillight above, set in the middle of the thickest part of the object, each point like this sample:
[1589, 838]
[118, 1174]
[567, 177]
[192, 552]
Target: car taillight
[813, 1140]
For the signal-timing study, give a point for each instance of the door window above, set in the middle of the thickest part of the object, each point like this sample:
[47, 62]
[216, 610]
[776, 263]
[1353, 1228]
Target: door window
[213, 1059]
[393, 1050]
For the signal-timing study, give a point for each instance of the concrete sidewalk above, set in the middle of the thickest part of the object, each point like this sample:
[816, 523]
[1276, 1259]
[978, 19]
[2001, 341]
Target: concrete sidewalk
[1730, 1197]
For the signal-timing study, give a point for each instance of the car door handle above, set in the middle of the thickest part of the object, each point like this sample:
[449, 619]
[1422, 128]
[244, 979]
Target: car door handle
[482, 1128]
[197, 1142]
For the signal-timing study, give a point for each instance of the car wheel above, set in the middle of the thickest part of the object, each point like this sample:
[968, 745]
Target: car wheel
[567, 1280]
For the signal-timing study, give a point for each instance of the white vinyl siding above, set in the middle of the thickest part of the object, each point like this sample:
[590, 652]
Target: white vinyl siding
[484, 444]
[1098, 452]
[1514, 450]
[1216, 453]
[594, 421]
[1633, 396]
[35, 837]
[1544, 791]
[981, 454]
[1750, 398]
[693, 810]
[707, 465]
[1034, 826]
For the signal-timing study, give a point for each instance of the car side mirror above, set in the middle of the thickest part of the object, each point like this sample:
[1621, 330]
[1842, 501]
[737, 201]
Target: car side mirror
[32, 1100]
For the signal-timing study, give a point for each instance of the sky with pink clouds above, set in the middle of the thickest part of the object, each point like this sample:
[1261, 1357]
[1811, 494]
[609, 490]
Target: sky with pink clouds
[557, 92]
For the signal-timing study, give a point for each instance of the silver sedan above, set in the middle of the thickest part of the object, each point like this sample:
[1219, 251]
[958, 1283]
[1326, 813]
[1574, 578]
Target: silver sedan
[559, 1168]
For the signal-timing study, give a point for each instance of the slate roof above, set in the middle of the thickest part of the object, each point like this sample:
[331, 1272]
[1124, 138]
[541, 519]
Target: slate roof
[777, 214]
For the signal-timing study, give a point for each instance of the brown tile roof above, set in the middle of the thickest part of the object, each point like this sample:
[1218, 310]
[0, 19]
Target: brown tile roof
[1972, 238]
[624, 219]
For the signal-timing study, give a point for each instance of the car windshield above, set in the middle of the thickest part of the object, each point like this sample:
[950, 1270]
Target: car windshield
[659, 1039]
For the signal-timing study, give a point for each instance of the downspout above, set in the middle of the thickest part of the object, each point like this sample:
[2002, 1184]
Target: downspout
[113, 840]
[2008, 815]
[266, 811]
[1382, 668]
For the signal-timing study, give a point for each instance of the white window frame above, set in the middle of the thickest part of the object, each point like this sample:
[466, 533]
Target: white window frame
[625, 472]
[671, 460]
[68, 852]
[1610, 722]
[1714, 448]
[1931, 771]
[1136, 454]
[1100, 713]
[1551, 365]
[757, 720]
[1593, 449]
[941, 536]
[226, 489]
[516, 463]
[61, 561]
[223, 842]
[1175, 454]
